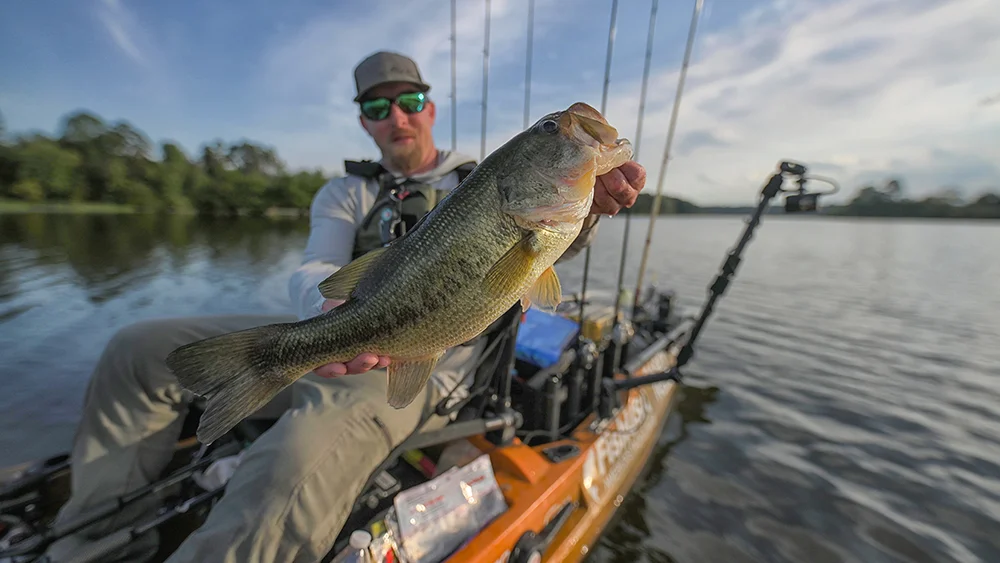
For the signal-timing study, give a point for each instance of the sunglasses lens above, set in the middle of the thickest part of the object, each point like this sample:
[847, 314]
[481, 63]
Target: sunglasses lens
[376, 109]
[411, 103]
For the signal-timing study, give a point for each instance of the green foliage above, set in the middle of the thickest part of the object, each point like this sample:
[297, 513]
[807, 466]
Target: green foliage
[92, 161]
[668, 205]
[890, 201]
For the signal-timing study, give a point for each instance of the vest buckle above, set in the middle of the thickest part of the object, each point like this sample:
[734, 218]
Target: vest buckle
[390, 223]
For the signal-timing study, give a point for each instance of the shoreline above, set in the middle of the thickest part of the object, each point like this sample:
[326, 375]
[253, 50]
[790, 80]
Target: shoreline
[19, 207]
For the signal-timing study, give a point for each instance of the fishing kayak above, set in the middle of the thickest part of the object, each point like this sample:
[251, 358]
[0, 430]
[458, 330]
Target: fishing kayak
[552, 435]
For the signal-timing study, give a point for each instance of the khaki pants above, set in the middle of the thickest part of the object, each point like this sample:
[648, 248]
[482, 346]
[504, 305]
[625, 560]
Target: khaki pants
[295, 485]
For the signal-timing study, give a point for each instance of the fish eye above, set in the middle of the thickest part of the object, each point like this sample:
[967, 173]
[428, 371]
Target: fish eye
[550, 126]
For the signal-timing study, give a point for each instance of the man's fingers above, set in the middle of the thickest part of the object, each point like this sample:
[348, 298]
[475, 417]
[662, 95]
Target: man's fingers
[604, 203]
[331, 370]
[331, 303]
[620, 188]
[360, 364]
[635, 174]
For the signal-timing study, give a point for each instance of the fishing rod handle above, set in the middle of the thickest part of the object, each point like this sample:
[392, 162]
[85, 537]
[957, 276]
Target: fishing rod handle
[98, 550]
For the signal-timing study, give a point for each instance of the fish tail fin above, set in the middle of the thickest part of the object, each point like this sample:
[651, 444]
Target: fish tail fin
[233, 373]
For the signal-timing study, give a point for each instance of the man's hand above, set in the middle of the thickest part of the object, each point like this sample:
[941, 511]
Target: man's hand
[618, 189]
[360, 364]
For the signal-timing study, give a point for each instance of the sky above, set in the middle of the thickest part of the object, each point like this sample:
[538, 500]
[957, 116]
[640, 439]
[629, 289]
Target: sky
[858, 90]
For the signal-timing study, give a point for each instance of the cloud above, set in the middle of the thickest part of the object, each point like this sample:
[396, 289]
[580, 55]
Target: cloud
[152, 84]
[121, 26]
[309, 70]
[859, 90]
[855, 88]
[693, 140]
[863, 86]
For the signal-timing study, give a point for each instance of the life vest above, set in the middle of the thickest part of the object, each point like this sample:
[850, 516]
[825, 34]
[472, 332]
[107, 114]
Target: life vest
[398, 205]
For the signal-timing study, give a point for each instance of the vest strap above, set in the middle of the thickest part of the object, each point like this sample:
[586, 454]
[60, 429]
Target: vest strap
[389, 214]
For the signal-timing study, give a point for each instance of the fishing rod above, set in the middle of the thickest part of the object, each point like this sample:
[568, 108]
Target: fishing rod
[454, 78]
[112, 506]
[118, 539]
[586, 350]
[527, 63]
[603, 396]
[619, 336]
[654, 212]
[604, 105]
[486, 81]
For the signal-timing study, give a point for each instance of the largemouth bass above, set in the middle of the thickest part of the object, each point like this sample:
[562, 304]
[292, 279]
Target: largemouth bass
[489, 243]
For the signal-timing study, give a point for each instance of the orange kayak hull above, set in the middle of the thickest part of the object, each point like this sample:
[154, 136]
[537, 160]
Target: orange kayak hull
[596, 480]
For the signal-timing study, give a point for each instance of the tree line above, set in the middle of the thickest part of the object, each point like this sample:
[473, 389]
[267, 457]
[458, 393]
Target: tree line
[91, 160]
[890, 201]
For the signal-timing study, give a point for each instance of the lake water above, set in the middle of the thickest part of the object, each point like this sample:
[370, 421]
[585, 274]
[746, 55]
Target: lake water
[843, 404]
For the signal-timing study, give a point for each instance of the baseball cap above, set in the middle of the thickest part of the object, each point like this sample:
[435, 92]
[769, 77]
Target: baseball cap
[386, 66]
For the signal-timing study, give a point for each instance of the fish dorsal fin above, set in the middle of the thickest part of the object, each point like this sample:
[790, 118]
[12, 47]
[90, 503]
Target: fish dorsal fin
[546, 294]
[341, 283]
[407, 379]
[511, 269]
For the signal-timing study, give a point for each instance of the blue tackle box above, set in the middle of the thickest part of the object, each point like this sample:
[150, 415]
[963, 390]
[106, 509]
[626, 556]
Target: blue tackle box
[542, 337]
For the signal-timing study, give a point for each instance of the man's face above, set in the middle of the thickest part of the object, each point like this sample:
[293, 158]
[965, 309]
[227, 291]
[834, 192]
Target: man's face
[404, 138]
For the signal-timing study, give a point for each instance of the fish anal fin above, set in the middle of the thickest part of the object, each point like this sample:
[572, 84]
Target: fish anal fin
[511, 269]
[341, 283]
[407, 378]
[546, 294]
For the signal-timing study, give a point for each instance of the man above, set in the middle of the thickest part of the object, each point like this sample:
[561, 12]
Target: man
[296, 484]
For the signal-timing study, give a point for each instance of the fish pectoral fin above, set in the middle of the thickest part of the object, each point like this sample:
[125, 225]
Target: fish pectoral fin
[513, 266]
[341, 283]
[407, 378]
[546, 294]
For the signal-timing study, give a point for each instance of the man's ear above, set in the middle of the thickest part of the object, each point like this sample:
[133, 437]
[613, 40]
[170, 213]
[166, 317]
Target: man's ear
[432, 109]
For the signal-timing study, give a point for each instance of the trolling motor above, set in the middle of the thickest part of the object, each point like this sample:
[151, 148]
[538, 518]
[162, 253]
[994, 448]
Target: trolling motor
[800, 201]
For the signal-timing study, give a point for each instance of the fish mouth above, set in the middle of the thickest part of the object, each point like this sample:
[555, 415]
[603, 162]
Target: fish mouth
[596, 150]
[587, 126]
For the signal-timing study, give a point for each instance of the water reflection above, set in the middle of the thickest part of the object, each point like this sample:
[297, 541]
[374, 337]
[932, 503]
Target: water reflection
[68, 282]
[111, 254]
[627, 538]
